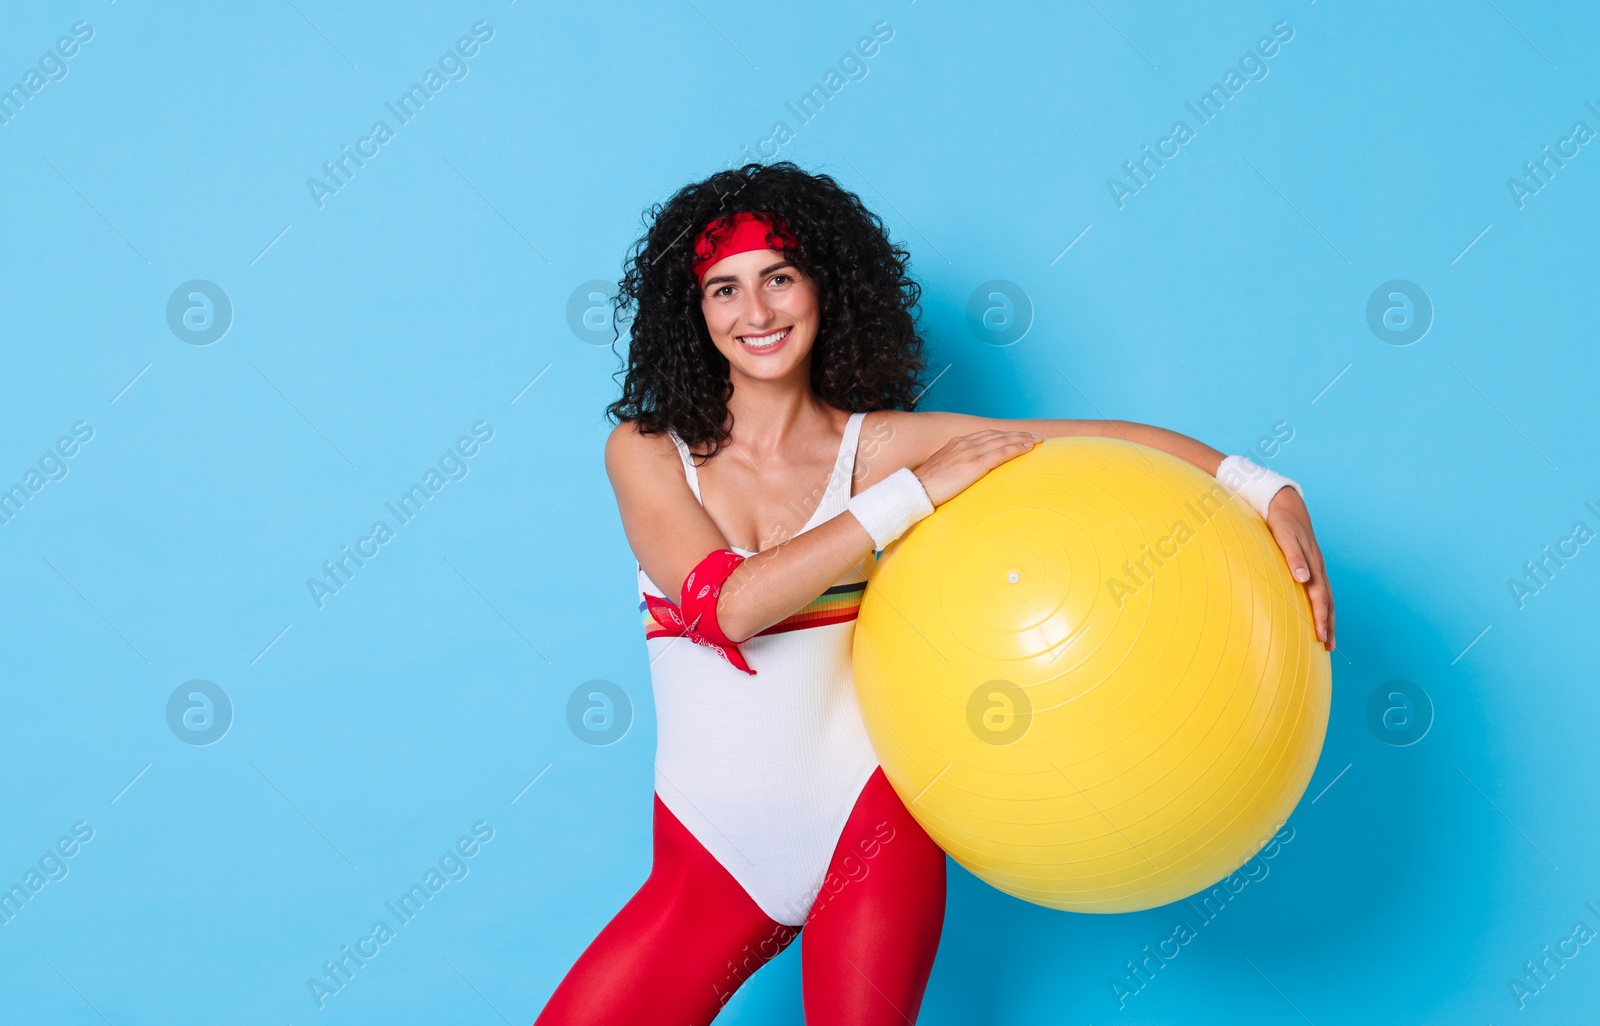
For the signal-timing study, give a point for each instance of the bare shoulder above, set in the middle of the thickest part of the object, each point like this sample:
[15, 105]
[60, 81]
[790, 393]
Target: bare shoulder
[667, 528]
[629, 451]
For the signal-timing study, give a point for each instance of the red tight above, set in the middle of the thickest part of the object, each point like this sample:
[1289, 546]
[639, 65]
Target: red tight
[691, 934]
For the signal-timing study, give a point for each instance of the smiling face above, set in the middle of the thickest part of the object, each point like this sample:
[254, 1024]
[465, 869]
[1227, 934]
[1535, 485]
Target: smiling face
[761, 311]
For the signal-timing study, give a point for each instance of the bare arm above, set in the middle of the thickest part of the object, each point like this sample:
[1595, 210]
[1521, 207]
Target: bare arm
[778, 581]
[1287, 516]
[670, 532]
[1182, 446]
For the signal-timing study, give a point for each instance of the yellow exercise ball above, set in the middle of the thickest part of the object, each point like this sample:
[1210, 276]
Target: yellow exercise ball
[1091, 677]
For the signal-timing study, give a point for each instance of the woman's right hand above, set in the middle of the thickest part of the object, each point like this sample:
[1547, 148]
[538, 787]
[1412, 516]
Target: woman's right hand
[966, 458]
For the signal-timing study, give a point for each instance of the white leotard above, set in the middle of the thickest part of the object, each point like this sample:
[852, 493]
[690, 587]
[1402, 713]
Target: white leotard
[763, 770]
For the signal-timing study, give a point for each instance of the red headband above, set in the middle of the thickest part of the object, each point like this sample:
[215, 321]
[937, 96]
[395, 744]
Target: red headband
[749, 230]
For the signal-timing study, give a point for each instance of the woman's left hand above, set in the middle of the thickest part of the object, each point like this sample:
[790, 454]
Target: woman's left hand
[1290, 523]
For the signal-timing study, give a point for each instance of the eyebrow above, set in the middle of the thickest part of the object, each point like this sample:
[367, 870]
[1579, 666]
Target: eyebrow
[759, 274]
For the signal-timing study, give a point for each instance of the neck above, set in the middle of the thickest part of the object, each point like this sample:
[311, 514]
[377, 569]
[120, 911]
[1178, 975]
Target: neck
[768, 416]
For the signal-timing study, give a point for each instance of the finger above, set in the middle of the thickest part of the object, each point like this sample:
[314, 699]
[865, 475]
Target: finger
[1317, 591]
[998, 454]
[1001, 433]
[1006, 445]
[1321, 612]
[1319, 619]
[1294, 555]
[1300, 568]
[1319, 574]
[1322, 572]
[1319, 571]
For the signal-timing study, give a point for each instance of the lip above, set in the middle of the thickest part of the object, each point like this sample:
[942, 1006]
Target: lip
[767, 350]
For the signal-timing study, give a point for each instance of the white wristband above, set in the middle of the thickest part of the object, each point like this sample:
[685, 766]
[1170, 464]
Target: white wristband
[1255, 484]
[892, 505]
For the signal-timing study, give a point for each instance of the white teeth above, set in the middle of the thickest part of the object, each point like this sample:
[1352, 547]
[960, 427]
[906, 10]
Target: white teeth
[764, 341]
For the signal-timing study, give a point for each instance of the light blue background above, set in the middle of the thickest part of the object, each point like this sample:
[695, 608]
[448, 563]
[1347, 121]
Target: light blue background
[428, 293]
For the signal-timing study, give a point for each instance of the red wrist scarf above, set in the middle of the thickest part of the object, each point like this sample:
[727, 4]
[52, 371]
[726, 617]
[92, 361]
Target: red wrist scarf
[744, 231]
[696, 618]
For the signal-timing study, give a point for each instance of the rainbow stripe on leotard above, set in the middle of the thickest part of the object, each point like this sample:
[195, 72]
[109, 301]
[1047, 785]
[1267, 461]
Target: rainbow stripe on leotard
[839, 604]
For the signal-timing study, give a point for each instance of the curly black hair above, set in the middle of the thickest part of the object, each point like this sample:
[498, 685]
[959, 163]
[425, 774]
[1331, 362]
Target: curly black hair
[868, 354]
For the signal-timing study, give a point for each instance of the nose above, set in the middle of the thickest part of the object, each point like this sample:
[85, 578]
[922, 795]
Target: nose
[758, 311]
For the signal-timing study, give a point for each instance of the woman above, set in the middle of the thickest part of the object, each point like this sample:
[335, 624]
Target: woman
[765, 421]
